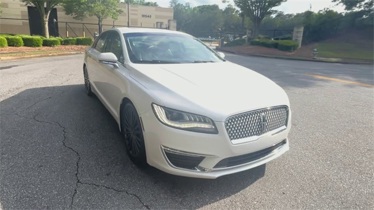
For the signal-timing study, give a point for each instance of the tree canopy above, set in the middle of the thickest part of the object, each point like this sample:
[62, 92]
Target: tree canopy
[101, 9]
[366, 5]
[141, 2]
[257, 10]
[206, 20]
[44, 8]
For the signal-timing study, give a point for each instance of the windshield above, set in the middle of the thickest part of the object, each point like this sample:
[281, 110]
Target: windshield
[168, 48]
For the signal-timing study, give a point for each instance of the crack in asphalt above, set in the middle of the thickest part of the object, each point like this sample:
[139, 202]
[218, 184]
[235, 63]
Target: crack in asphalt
[78, 181]
[34, 118]
[116, 190]
[77, 163]
[40, 101]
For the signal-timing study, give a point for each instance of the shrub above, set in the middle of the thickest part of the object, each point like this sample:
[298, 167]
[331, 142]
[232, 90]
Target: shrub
[269, 43]
[287, 45]
[32, 41]
[60, 39]
[237, 42]
[42, 37]
[57, 37]
[69, 41]
[265, 43]
[3, 42]
[51, 42]
[285, 37]
[14, 41]
[83, 41]
[255, 42]
[261, 37]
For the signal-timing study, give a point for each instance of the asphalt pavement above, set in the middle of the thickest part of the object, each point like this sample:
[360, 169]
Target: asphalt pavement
[61, 149]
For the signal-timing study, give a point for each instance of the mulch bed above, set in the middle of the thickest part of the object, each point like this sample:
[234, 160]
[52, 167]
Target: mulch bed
[62, 48]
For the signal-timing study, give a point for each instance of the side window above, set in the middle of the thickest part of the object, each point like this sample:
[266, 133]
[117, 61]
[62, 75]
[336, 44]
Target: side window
[115, 46]
[100, 44]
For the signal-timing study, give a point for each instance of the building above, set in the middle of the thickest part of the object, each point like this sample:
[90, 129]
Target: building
[18, 18]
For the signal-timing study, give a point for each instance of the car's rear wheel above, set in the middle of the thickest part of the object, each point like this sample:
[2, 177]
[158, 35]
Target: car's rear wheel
[87, 83]
[133, 134]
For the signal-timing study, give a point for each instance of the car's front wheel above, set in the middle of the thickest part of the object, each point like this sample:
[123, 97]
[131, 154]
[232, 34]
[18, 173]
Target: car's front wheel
[87, 83]
[133, 134]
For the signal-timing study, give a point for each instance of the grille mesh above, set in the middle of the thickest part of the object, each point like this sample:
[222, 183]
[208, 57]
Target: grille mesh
[256, 123]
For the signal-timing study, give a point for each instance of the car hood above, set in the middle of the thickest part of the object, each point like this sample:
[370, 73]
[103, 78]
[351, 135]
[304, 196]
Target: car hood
[216, 90]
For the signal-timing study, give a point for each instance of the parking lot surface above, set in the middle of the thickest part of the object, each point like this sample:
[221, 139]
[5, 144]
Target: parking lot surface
[61, 149]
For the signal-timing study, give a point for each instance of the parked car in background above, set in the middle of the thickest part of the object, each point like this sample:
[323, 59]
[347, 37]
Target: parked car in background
[181, 107]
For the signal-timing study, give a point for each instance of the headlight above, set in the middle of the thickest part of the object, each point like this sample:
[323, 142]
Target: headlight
[184, 120]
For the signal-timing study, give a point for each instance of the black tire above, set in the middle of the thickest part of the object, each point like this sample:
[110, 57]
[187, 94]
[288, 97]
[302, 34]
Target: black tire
[133, 134]
[87, 83]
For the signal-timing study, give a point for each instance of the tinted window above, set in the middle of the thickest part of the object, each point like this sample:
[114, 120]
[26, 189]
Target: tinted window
[114, 45]
[100, 44]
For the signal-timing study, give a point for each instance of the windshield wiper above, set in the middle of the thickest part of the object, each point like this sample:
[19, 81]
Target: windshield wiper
[158, 61]
[204, 61]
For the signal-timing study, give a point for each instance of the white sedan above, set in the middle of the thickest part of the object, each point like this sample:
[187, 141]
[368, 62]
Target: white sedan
[183, 108]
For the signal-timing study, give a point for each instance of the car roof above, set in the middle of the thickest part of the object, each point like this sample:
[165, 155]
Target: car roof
[126, 30]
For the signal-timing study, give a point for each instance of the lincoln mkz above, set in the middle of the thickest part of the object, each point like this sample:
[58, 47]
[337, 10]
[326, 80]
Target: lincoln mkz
[181, 107]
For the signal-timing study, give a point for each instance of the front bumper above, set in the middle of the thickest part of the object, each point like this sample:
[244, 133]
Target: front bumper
[210, 156]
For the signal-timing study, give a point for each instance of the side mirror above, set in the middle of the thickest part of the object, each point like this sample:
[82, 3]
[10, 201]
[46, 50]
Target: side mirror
[109, 59]
[221, 54]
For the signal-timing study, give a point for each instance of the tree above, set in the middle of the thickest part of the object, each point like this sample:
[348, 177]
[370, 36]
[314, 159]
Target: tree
[362, 5]
[361, 12]
[44, 8]
[206, 20]
[232, 20]
[257, 10]
[102, 9]
[173, 3]
[141, 2]
[322, 25]
[182, 14]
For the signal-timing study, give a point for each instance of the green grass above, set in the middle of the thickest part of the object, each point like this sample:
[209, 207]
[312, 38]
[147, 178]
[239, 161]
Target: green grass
[345, 50]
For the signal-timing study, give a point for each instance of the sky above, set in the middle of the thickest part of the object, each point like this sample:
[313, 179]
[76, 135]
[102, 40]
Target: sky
[291, 6]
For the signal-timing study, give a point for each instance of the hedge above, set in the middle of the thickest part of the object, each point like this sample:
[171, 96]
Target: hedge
[59, 39]
[3, 42]
[32, 41]
[285, 37]
[38, 41]
[284, 45]
[287, 45]
[265, 42]
[51, 42]
[84, 41]
[237, 42]
[69, 41]
[14, 41]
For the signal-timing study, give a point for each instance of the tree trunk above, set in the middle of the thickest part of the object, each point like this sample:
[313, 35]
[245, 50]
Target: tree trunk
[100, 23]
[256, 27]
[46, 28]
[44, 17]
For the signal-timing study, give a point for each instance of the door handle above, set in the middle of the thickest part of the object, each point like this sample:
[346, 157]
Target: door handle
[109, 63]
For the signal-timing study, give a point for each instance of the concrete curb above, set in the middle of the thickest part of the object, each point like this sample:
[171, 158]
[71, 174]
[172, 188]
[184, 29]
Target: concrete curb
[39, 56]
[296, 58]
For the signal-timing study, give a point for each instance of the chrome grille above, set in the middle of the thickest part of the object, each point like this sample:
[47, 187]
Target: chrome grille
[256, 123]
